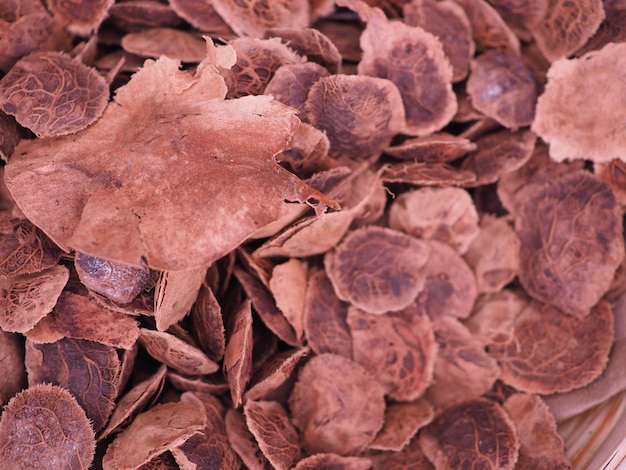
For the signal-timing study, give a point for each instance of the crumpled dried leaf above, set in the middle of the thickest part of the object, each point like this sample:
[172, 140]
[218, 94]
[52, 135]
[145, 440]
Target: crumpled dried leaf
[571, 241]
[474, 433]
[134, 400]
[312, 44]
[23, 34]
[208, 324]
[502, 85]
[550, 351]
[540, 445]
[74, 316]
[278, 439]
[402, 421]
[13, 377]
[325, 325]
[445, 214]
[414, 61]
[173, 43]
[89, 371]
[398, 348]
[253, 17]
[462, 367]
[152, 432]
[24, 300]
[359, 114]
[573, 85]
[288, 287]
[53, 94]
[24, 249]
[494, 254]
[449, 23]
[138, 212]
[238, 354]
[450, 284]
[494, 316]
[565, 27]
[176, 353]
[336, 405]
[44, 427]
[377, 269]
[116, 281]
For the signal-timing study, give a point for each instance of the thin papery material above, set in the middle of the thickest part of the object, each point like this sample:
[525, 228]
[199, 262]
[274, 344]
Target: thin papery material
[170, 202]
[175, 293]
[173, 43]
[243, 442]
[44, 427]
[311, 43]
[274, 373]
[13, 378]
[414, 61]
[402, 421]
[574, 117]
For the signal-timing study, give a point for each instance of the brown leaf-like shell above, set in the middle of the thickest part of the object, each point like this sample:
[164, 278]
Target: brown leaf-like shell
[398, 348]
[488, 29]
[427, 174]
[571, 241]
[566, 26]
[359, 114]
[52, 94]
[550, 351]
[291, 83]
[80, 16]
[377, 269]
[471, 434]
[311, 43]
[243, 441]
[13, 378]
[238, 354]
[337, 406]
[595, 134]
[402, 421]
[435, 148]
[44, 427]
[502, 85]
[173, 43]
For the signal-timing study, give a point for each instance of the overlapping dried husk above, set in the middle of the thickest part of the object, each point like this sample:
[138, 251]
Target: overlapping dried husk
[139, 15]
[13, 380]
[173, 43]
[402, 421]
[80, 17]
[311, 43]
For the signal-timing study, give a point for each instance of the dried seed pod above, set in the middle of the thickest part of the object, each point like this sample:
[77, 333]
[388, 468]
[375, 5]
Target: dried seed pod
[243, 442]
[88, 370]
[333, 461]
[502, 85]
[550, 351]
[275, 372]
[152, 432]
[494, 316]
[462, 367]
[288, 287]
[202, 15]
[238, 353]
[64, 435]
[475, 434]
[572, 84]
[24, 300]
[610, 30]
[414, 61]
[520, 15]
[138, 15]
[489, 31]
[53, 94]
[449, 23]
[312, 44]
[359, 114]
[614, 173]
[291, 83]
[325, 325]
[22, 35]
[410, 457]
[208, 324]
[377, 269]
[173, 43]
[176, 353]
[337, 406]
[402, 421]
[427, 174]
[435, 148]
[175, 293]
[398, 348]
[445, 214]
[81, 17]
[565, 27]
[117, 281]
[278, 439]
[10, 135]
[571, 242]
[450, 286]
[13, 377]
[540, 444]
[494, 254]
[254, 17]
